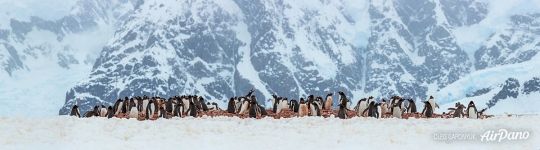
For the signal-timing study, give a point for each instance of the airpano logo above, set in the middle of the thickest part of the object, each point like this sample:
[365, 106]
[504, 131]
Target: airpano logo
[503, 135]
[489, 136]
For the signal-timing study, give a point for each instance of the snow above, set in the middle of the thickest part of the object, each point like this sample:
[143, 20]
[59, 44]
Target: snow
[62, 132]
[490, 78]
[470, 38]
[22, 10]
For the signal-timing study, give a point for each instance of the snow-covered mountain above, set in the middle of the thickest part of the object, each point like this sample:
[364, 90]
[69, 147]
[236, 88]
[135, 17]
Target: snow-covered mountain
[48, 46]
[219, 49]
[224, 48]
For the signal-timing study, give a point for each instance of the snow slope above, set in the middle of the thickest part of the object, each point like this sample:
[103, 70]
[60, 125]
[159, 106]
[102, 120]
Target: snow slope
[493, 78]
[63, 132]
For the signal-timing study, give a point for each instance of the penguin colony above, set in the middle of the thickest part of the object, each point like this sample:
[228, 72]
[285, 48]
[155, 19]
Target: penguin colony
[152, 108]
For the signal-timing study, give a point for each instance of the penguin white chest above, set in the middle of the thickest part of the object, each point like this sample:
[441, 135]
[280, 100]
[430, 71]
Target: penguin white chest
[133, 113]
[103, 112]
[473, 114]
[397, 112]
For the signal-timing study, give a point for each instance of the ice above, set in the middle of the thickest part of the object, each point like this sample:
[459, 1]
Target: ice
[62, 132]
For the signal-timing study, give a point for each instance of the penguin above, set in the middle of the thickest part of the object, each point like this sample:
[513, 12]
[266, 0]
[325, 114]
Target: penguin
[118, 106]
[143, 108]
[283, 103]
[238, 104]
[169, 106]
[384, 108]
[360, 107]
[329, 102]
[432, 103]
[192, 109]
[372, 110]
[244, 107]
[103, 111]
[178, 109]
[428, 110]
[204, 107]
[151, 108]
[163, 112]
[411, 108]
[110, 112]
[75, 111]
[319, 102]
[315, 109]
[458, 111]
[396, 108]
[472, 112]
[254, 109]
[342, 112]
[231, 106]
[263, 111]
[293, 105]
[343, 98]
[303, 109]
[275, 102]
[133, 111]
[186, 101]
[92, 113]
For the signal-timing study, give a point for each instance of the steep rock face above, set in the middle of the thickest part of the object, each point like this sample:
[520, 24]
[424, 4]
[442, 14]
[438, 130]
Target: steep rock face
[38, 38]
[220, 49]
[516, 44]
[412, 47]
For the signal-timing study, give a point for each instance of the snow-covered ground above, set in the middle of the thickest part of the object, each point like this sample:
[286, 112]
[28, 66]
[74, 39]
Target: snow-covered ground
[62, 132]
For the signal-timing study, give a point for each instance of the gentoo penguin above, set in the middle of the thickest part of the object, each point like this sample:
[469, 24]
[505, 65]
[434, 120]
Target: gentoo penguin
[314, 109]
[329, 102]
[472, 112]
[342, 112]
[254, 109]
[203, 107]
[396, 108]
[185, 101]
[92, 113]
[361, 106]
[384, 108]
[283, 104]
[319, 102]
[133, 111]
[192, 109]
[75, 111]
[411, 107]
[275, 102]
[458, 111]
[293, 105]
[178, 109]
[343, 99]
[432, 103]
[303, 109]
[372, 110]
[263, 111]
[118, 107]
[237, 104]
[428, 110]
[110, 112]
[244, 107]
[230, 106]
[103, 111]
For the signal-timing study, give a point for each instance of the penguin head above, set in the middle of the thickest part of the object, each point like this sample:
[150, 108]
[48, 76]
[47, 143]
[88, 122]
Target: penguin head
[471, 104]
[430, 97]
